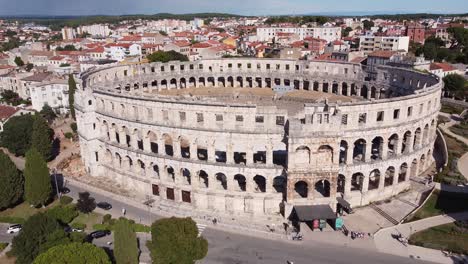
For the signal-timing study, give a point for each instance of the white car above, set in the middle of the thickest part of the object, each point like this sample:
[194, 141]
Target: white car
[77, 230]
[14, 229]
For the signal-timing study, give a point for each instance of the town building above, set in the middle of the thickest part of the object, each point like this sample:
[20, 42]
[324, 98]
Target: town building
[369, 44]
[327, 33]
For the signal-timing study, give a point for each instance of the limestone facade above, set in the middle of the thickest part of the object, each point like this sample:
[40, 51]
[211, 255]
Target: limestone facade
[255, 156]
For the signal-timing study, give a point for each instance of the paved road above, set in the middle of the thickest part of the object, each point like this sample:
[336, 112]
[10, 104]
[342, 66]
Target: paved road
[232, 248]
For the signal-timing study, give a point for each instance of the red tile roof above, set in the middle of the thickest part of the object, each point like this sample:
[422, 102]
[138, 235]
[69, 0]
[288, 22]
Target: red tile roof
[443, 66]
[7, 111]
[382, 54]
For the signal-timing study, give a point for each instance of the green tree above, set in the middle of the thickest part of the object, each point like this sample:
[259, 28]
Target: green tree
[166, 56]
[36, 230]
[48, 113]
[63, 214]
[125, 243]
[367, 24]
[74, 253]
[176, 241]
[455, 83]
[345, 31]
[29, 67]
[12, 182]
[16, 135]
[37, 185]
[19, 62]
[85, 203]
[71, 95]
[41, 138]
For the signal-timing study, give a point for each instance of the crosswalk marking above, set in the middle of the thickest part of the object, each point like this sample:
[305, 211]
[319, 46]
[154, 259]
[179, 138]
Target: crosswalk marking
[201, 228]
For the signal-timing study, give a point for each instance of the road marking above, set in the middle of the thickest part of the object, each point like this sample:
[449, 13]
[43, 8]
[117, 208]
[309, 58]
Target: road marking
[201, 228]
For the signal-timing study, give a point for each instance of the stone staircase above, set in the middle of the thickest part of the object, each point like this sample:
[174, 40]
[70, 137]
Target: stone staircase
[383, 214]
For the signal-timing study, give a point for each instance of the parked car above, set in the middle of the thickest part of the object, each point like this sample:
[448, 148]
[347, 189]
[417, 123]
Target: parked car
[104, 205]
[70, 229]
[65, 190]
[14, 229]
[77, 230]
[99, 233]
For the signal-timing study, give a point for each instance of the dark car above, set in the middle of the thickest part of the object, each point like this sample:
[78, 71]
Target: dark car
[104, 205]
[99, 234]
[65, 190]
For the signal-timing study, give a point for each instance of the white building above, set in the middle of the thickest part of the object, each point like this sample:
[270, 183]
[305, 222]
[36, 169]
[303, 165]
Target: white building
[96, 30]
[53, 93]
[197, 23]
[369, 44]
[68, 33]
[327, 33]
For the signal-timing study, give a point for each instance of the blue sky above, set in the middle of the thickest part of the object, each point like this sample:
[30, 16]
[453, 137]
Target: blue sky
[245, 7]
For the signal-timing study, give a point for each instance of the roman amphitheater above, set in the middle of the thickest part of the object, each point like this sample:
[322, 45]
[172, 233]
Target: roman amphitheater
[254, 138]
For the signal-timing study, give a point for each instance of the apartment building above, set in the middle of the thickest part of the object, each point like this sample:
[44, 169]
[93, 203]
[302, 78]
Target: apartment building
[369, 44]
[327, 33]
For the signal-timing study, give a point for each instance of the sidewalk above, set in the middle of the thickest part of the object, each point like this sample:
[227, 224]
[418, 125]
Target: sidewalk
[386, 243]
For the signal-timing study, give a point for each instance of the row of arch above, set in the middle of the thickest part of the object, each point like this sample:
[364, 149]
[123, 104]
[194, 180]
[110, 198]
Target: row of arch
[199, 179]
[359, 182]
[365, 90]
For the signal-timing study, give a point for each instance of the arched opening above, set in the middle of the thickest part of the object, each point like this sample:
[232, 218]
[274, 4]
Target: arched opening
[186, 178]
[374, 180]
[302, 189]
[173, 83]
[230, 81]
[153, 142]
[279, 184]
[138, 139]
[425, 134]
[417, 138]
[393, 145]
[322, 187]
[343, 152]
[260, 183]
[222, 181]
[192, 82]
[203, 179]
[359, 150]
[344, 90]
[118, 159]
[241, 182]
[156, 171]
[402, 173]
[356, 181]
[170, 172]
[325, 155]
[364, 91]
[108, 157]
[184, 147]
[377, 148]
[168, 148]
[422, 163]
[340, 183]
[128, 163]
[389, 175]
[302, 155]
[414, 168]
[141, 167]
[405, 148]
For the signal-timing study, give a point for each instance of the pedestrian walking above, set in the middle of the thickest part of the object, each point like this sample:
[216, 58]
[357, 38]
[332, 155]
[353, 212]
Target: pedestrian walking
[123, 211]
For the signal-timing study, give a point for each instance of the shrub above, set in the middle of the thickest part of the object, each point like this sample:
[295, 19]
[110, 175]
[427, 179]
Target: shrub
[79, 237]
[73, 127]
[64, 200]
[140, 228]
[102, 227]
[69, 135]
[106, 219]
[63, 214]
[78, 226]
[12, 220]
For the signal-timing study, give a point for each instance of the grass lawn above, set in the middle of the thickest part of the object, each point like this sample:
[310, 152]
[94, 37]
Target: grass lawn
[444, 237]
[450, 174]
[88, 219]
[460, 129]
[450, 109]
[441, 203]
[3, 246]
[22, 211]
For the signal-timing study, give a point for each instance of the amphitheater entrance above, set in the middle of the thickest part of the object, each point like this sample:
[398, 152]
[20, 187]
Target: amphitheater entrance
[302, 189]
[322, 188]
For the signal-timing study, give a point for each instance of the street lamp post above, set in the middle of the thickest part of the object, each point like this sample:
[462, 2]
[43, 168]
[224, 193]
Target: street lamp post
[56, 183]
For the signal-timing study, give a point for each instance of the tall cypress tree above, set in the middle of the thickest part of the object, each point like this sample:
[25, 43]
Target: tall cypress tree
[11, 182]
[71, 95]
[37, 185]
[125, 243]
[41, 138]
